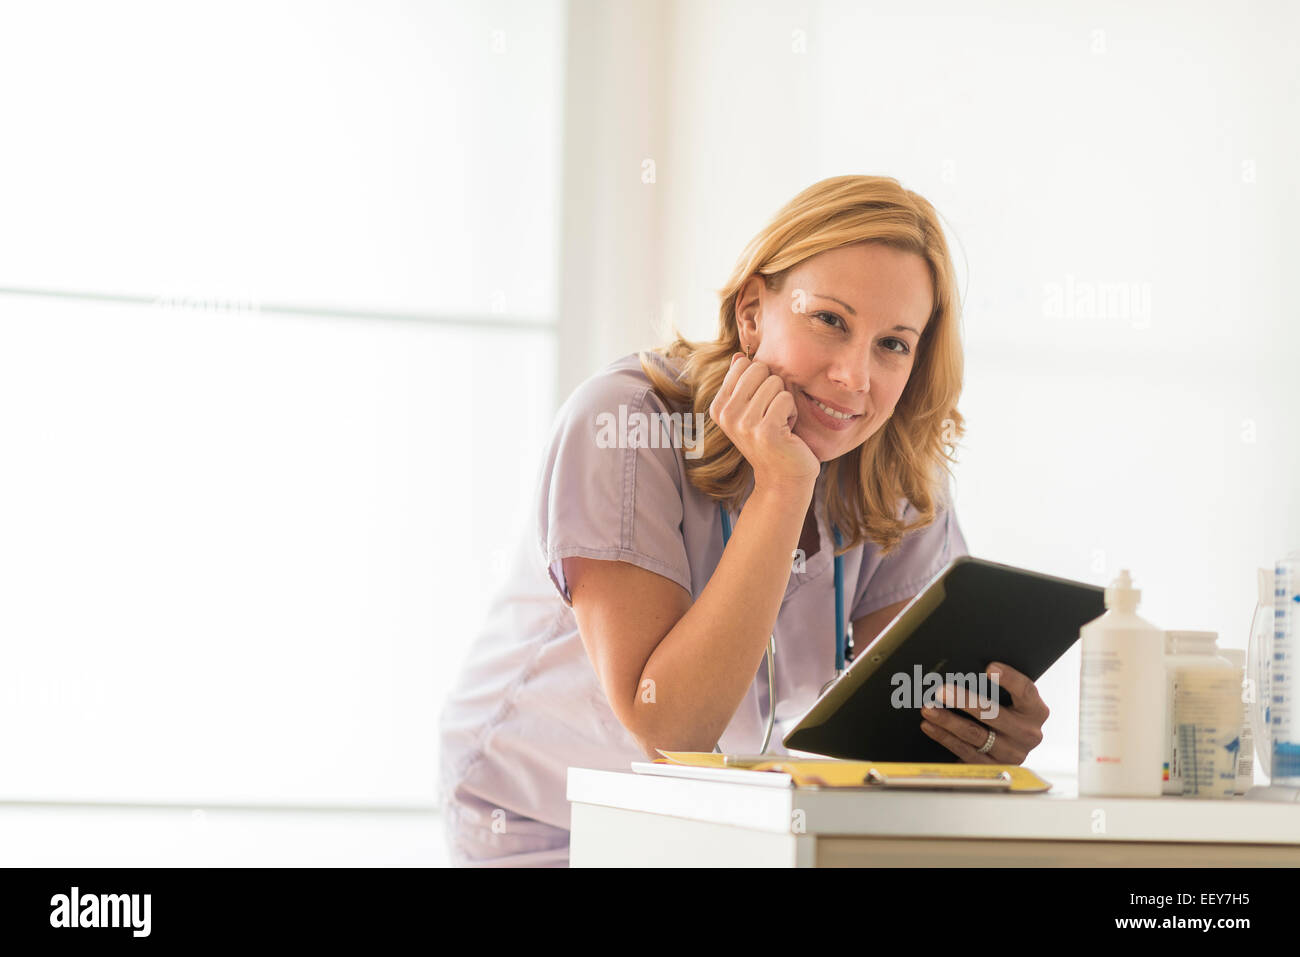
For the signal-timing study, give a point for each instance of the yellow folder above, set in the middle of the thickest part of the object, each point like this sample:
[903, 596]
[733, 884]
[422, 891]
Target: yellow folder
[834, 773]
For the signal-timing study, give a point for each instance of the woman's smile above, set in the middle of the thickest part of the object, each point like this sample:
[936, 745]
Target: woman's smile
[826, 417]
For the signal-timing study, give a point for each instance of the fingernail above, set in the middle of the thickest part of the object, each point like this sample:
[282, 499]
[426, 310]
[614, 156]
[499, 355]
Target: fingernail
[735, 357]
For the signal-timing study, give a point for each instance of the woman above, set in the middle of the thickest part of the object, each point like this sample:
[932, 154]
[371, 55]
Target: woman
[826, 406]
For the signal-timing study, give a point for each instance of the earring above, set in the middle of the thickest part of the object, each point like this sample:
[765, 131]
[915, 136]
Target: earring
[747, 352]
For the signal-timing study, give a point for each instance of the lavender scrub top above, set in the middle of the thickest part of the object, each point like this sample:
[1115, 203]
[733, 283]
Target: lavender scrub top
[528, 704]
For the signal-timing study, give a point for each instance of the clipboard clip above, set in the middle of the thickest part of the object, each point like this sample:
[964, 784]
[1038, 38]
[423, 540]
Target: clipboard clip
[998, 782]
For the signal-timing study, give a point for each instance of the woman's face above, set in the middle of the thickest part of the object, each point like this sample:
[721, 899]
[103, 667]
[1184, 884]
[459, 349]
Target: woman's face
[844, 330]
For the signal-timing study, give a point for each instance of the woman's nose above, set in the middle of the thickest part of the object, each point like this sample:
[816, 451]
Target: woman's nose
[852, 372]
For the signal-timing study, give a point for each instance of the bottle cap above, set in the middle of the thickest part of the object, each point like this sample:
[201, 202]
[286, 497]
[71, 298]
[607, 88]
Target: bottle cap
[1121, 594]
[1191, 642]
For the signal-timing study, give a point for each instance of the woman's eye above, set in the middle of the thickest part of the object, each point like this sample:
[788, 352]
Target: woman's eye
[902, 350]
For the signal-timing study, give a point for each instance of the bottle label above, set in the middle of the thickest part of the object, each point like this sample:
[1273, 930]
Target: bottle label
[1099, 717]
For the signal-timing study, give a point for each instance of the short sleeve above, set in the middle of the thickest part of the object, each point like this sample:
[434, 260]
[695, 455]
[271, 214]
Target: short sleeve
[611, 484]
[902, 573]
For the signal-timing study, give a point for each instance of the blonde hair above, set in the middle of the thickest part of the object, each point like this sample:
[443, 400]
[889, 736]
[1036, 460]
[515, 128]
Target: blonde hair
[907, 457]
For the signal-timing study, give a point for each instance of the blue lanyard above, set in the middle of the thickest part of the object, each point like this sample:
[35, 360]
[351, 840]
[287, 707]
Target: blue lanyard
[839, 588]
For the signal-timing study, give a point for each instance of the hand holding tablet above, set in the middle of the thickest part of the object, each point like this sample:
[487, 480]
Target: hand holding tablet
[1017, 728]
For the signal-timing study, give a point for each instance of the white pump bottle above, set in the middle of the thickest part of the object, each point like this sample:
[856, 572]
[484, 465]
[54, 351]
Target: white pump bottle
[1121, 699]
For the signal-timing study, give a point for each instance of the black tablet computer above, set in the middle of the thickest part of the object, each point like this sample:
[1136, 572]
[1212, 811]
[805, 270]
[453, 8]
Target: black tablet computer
[972, 613]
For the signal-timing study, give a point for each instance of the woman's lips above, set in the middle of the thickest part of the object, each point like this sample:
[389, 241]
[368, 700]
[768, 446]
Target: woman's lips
[829, 421]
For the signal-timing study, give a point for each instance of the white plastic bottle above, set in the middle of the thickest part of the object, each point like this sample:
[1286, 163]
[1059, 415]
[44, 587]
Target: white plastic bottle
[1246, 754]
[1121, 699]
[1184, 649]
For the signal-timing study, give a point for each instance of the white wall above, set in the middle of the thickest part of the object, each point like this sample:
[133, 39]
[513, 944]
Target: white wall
[612, 244]
[273, 281]
[1078, 149]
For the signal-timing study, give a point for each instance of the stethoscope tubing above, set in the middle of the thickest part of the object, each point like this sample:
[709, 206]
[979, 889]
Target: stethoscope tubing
[840, 642]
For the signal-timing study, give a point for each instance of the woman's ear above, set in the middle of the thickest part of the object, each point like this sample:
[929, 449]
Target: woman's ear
[749, 309]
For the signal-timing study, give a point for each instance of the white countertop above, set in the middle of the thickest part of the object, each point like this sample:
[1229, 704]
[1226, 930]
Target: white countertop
[1058, 814]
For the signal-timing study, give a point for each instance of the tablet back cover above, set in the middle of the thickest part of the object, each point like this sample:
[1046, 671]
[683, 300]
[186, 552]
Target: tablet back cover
[973, 613]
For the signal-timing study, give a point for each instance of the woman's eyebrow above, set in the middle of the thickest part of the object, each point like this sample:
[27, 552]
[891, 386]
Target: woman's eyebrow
[851, 310]
[854, 312]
